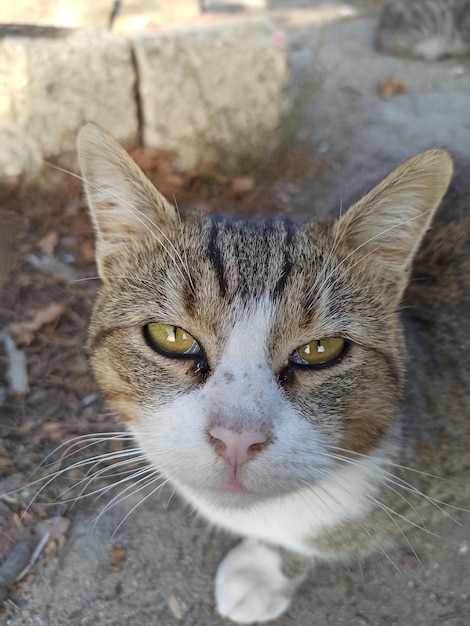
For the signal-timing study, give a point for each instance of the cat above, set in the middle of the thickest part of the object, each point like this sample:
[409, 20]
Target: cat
[426, 29]
[283, 374]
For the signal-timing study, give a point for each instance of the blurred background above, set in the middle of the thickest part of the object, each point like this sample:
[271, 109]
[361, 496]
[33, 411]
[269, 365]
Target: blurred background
[254, 106]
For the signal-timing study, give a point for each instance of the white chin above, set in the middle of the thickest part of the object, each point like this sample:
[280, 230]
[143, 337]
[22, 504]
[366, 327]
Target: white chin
[225, 499]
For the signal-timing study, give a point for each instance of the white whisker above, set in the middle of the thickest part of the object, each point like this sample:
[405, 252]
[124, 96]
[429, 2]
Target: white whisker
[120, 496]
[107, 471]
[131, 475]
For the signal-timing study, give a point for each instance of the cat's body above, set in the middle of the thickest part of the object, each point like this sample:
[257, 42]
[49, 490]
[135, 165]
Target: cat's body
[425, 29]
[283, 411]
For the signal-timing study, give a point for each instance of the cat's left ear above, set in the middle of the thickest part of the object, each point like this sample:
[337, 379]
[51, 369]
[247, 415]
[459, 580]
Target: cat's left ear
[124, 204]
[387, 225]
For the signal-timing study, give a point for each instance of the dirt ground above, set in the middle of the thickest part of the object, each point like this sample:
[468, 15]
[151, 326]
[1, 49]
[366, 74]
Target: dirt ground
[360, 113]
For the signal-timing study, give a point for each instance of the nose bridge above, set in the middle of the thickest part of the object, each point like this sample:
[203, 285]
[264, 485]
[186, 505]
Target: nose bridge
[242, 397]
[242, 386]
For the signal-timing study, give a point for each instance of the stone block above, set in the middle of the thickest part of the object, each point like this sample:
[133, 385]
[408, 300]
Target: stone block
[96, 14]
[19, 157]
[215, 90]
[50, 85]
[134, 16]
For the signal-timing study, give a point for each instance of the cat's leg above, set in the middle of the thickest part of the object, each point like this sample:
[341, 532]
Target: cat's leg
[256, 582]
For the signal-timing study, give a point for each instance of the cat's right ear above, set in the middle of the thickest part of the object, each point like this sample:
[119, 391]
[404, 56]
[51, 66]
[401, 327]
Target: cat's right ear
[386, 227]
[123, 203]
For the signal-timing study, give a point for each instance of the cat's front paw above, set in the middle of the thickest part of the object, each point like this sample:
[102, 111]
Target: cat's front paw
[250, 586]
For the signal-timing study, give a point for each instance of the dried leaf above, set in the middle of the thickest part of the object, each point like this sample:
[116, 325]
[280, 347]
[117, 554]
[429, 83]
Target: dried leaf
[242, 185]
[24, 331]
[158, 165]
[49, 242]
[87, 252]
[391, 87]
[50, 428]
[57, 528]
[117, 556]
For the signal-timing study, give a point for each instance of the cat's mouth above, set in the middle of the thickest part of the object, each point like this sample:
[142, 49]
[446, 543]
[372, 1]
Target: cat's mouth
[233, 486]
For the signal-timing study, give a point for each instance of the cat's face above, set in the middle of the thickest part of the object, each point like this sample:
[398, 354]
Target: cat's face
[251, 294]
[250, 357]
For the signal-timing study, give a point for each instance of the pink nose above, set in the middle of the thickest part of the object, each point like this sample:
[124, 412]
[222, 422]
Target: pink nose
[237, 448]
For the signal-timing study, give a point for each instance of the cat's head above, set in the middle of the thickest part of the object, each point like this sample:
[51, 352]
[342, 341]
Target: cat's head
[249, 357]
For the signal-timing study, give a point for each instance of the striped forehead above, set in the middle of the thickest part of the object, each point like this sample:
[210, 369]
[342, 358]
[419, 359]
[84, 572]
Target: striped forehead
[250, 256]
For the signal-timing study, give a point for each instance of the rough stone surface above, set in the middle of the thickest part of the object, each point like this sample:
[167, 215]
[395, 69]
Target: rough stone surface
[96, 14]
[212, 91]
[57, 12]
[18, 156]
[50, 86]
[142, 13]
[53, 80]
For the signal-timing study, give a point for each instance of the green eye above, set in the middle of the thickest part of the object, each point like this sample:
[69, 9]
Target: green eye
[171, 340]
[319, 351]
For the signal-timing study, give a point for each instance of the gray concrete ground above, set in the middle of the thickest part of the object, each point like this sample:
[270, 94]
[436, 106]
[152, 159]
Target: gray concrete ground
[171, 556]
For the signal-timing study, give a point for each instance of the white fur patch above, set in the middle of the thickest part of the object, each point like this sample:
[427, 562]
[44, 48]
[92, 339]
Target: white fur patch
[250, 586]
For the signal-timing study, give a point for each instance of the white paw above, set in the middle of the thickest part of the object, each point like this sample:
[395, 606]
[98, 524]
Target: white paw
[250, 586]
